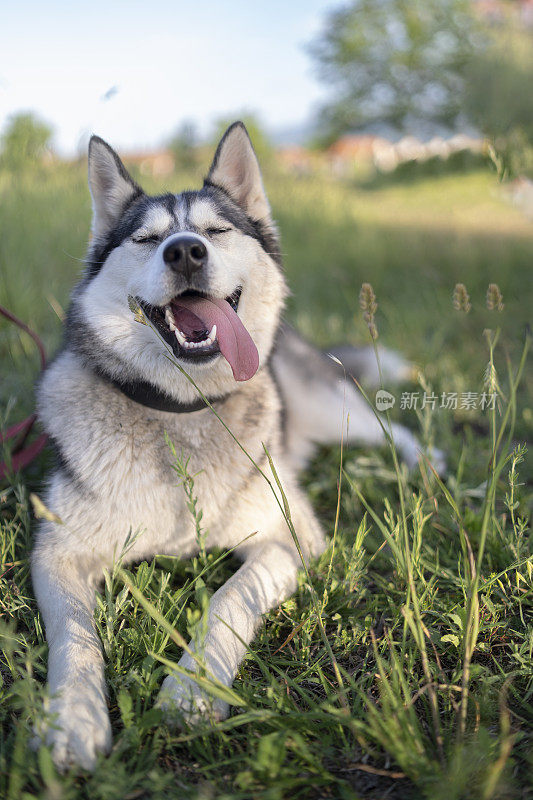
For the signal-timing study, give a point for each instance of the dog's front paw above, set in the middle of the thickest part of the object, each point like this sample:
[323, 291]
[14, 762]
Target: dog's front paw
[181, 698]
[77, 729]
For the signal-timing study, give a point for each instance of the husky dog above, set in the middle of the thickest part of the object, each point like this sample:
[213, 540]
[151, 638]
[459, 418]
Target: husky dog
[205, 269]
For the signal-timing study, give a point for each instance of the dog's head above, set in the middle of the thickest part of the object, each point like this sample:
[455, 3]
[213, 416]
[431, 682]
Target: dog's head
[204, 266]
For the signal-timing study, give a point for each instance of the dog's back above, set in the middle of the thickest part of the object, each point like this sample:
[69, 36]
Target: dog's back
[322, 403]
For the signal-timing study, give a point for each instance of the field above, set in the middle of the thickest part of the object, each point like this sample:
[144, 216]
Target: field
[425, 689]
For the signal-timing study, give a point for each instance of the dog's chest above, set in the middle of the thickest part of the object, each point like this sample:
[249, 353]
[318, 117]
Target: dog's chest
[127, 468]
[151, 467]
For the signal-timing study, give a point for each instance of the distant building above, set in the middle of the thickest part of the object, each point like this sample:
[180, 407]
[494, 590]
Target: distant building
[157, 165]
[353, 146]
[498, 11]
[352, 149]
[389, 155]
[296, 159]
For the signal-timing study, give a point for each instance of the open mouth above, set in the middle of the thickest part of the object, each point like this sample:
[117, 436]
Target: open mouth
[199, 328]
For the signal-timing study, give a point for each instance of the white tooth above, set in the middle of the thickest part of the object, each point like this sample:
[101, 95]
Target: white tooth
[213, 333]
[179, 336]
[169, 318]
[208, 342]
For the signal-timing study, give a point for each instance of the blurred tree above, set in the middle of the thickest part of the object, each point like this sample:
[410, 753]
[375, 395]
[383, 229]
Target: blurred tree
[499, 86]
[498, 92]
[399, 62]
[259, 138]
[25, 140]
[184, 145]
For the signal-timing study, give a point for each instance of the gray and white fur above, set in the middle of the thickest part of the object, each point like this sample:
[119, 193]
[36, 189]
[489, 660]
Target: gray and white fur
[114, 472]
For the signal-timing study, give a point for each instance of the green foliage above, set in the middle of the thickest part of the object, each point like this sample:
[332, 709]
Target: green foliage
[181, 468]
[184, 145]
[24, 141]
[412, 63]
[394, 61]
[512, 155]
[499, 81]
[414, 170]
[399, 600]
[496, 98]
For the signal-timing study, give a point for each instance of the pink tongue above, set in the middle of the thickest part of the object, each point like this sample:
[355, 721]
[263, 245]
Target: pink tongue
[196, 314]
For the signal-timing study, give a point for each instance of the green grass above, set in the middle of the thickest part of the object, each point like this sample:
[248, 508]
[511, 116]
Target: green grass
[421, 630]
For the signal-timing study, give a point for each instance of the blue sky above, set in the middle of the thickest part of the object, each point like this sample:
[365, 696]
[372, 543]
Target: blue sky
[169, 60]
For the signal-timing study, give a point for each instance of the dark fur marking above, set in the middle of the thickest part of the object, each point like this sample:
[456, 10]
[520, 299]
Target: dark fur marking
[138, 206]
[216, 157]
[80, 338]
[133, 214]
[63, 465]
[254, 412]
[265, 233]
[236, 216]
[283, 420]
[118, 163]
[282, 405]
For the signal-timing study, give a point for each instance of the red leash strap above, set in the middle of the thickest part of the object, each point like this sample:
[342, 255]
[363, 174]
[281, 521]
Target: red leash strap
[22, 456]
[12, 318]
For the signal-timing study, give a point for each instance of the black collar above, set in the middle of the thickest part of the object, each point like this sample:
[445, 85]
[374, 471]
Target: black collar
[146, 394]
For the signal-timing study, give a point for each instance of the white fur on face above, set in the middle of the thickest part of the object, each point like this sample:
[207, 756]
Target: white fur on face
[135, 269]
[157, 222]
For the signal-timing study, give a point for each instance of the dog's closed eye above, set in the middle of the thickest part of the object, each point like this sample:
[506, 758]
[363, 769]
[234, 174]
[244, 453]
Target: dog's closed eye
[217, 231]
[146, 239]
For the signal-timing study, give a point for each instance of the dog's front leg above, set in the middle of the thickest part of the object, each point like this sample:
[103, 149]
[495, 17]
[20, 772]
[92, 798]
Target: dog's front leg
[267, 577]
[78, 726]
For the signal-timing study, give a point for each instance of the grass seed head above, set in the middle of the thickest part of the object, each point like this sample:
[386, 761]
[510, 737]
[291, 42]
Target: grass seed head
[136, 310]
[494, 297]
[490, 379]
[461, 300]
[369, 306]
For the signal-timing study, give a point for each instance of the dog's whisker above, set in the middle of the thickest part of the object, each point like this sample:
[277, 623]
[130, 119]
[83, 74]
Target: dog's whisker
[74, 258]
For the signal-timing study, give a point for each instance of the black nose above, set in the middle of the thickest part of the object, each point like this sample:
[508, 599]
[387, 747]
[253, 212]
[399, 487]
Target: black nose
[185, 254]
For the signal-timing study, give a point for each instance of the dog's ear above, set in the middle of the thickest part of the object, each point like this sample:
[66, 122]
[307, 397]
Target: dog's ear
[236, 170]
[112, 187]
